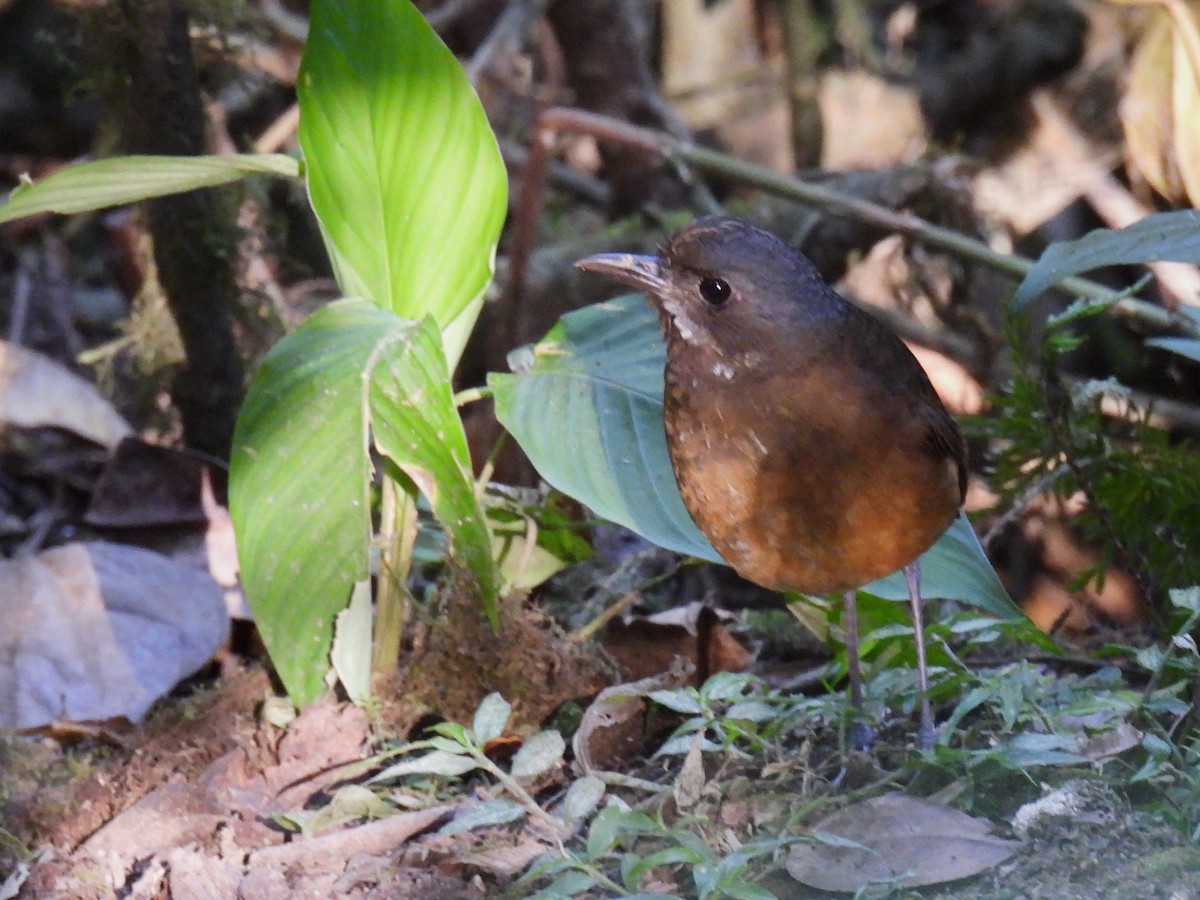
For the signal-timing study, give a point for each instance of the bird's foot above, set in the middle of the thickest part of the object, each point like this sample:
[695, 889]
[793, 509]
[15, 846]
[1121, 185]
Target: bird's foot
[860, 736]
[926, 735]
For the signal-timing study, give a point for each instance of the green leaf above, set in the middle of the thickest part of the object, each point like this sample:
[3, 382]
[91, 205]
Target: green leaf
[490, 718]
[955, 568]
[489, 812]
[298, 495]
[300, 472]
[351, 653]
[567, 884]
[538, 754]
[416, 425]
[586, 407]
[583, 796]
[588, 413]
[439, 762]
[603, 833]
[1189, 348]
[127, 179]
[1173, 236]
[403, 169]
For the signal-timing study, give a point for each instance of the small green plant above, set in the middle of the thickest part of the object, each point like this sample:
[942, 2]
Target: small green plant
[457, 750]
[410, 191]
[728, 710]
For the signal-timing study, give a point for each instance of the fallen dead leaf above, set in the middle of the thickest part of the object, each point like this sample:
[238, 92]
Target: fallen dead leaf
[94, 631]
[329, 852]
[645, 646]
[146, 485]
[689, 783]
[898, 839]
[36, 392]
[612, 729]
[507, 861]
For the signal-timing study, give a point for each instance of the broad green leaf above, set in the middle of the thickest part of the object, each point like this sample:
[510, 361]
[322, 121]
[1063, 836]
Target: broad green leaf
[681, 701]
[416, 425]
[1170, 236]
[300, 472]
[127, 179]
[588, 413]
[403, 169]
[299, 478]
[586, 407]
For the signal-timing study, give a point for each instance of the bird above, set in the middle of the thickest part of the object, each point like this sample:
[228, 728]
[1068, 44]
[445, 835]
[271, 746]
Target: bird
[807, 442]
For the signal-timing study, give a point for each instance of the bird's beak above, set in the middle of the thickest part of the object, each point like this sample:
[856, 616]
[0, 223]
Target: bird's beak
[642, 272]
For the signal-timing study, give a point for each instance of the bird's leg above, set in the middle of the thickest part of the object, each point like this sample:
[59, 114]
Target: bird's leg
[912, 576]
[860, 733]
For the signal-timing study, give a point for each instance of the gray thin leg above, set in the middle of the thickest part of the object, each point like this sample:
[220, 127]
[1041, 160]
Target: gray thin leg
[912, 576]
[860, 733]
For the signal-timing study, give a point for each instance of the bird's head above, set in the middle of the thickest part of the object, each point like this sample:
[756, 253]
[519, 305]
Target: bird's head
[723, 285]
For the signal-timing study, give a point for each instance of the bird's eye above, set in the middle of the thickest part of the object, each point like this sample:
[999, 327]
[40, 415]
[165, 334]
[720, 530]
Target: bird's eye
[715, 290]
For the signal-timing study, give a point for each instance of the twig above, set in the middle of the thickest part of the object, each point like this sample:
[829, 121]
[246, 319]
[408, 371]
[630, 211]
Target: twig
[508, 35]
[560, 119]
[584, 632]
[619, 779]
[279, 131]
[1022, 503]
[450, 12]
[22, 290]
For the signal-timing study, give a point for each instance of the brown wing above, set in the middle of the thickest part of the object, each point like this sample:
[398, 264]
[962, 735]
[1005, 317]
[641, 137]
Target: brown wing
[944, 440]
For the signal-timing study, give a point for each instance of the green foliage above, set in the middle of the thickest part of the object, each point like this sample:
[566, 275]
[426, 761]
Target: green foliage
[403, 169]
[127, 179]
[623, 847]
[1142, 487]
[1171, 236]
[727, 710]
[458, 751]
[409, 188]
[350, 371]
[598, 377]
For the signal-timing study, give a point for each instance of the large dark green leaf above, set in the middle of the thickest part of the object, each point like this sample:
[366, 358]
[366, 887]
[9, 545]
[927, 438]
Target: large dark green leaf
[586, 406]
[404, 171]
[127, 179]
[588, 413]
[300, 472]
[1170, 236]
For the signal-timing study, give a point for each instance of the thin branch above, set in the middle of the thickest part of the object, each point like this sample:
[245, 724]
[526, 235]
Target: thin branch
[560, 119]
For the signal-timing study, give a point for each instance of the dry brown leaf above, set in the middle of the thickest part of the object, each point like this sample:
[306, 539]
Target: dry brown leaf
[36, 392]
[145, 485]
[645, 646]
[899, 836]
[689, 784]
[1185, 97]
[611, 729]
[1147, 124]
[1162, 103]
[507, 861]
[94, 631]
